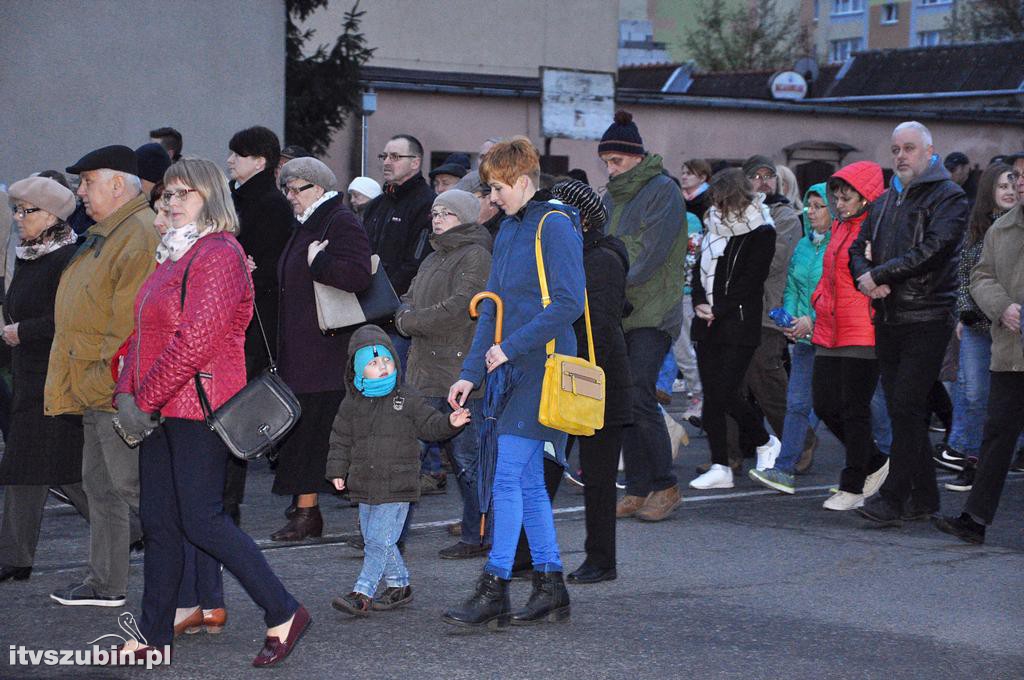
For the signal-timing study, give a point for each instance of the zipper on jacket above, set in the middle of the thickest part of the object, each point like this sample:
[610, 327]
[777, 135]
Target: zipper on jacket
[741, 313]
[138, 339]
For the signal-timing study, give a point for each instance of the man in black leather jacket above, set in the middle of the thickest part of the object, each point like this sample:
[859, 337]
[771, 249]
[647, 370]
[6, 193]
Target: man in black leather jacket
[905, 259]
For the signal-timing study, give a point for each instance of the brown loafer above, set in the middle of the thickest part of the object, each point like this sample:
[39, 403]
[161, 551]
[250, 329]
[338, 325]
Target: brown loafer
[193, 623]
[275, 649]
[214, 620]
[628, 506]
[660, 504]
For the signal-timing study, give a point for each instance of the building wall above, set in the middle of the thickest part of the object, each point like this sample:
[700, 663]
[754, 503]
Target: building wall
[81, 74]
[461, 123]
[913, 18]
[888, 36]
[456, 35]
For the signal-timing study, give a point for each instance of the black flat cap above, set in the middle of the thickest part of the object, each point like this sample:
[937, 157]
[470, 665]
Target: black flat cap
[955, 159]
[114, 157]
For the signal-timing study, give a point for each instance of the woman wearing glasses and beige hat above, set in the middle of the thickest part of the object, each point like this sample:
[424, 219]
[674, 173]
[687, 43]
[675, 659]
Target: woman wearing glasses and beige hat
[41, 451]
[328, 245]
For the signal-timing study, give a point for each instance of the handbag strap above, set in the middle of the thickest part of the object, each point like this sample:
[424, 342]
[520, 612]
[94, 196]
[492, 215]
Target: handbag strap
[256, 310]
[545, 298]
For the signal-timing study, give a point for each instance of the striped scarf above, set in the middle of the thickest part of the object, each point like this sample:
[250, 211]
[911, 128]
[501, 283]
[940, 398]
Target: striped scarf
[722, 228]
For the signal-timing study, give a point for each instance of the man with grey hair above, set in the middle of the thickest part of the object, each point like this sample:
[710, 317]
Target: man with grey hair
[93, 316]
[905, 259]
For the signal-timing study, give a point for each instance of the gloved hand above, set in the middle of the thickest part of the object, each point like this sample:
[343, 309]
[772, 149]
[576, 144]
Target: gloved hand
[134, 421]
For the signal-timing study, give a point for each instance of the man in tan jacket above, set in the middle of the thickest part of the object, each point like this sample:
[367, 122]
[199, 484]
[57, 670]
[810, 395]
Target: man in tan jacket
[93, 317]
[997, 285]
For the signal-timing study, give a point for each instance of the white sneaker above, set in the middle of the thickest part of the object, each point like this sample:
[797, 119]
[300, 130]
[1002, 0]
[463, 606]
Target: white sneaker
[718, 477]
[676, 434]
[678, 385]
[767, 453]
[693, 408]
[844, 500]
[874, 481]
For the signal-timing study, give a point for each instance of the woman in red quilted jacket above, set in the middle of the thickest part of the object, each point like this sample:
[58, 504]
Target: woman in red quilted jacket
[184, 328]
[845, 369]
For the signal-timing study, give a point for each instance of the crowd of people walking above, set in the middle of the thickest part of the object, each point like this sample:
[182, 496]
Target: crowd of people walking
[145, 299]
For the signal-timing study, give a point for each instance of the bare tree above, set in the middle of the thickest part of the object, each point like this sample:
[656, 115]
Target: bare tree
[752, 36]
[982, 20]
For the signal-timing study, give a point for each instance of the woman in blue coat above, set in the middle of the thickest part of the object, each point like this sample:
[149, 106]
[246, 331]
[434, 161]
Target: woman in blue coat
[512, 169]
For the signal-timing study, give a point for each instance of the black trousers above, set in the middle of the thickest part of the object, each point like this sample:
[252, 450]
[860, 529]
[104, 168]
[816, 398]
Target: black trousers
[552, 478]
[1003, 426]
[599, 462]
[722, 369]
[842, 390]
[909, 357]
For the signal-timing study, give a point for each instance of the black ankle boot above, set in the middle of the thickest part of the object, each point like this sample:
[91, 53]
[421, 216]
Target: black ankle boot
[549, 600]
[489, 605]
[305, 523]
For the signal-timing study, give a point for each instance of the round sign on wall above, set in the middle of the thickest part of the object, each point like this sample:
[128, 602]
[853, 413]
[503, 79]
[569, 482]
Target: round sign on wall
[788, 85]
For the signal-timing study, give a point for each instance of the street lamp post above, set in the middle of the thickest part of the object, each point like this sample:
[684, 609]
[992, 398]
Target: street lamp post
[369, 106]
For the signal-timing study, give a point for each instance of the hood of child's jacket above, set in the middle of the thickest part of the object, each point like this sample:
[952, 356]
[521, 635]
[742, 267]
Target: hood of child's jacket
[363, 337]
[820, 190]
[864, 176]
[462, 235]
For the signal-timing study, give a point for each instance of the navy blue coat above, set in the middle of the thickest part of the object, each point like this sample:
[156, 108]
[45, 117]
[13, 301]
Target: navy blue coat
[528, 325]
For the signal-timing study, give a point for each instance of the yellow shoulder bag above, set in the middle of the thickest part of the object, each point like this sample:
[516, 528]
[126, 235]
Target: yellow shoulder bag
[572, 395]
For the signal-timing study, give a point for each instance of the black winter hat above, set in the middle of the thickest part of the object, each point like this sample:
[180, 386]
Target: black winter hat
[622, 136]
[153, 162]
[582, 197]
[456, 165]
[114, 157]
[955, 160]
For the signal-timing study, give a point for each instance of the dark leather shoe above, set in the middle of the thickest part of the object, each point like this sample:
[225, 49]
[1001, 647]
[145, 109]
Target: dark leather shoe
[305, 523]
[963, 527]
[15, 573]
[138, 657]
[590, 574]
[392, 598]
[488, 606]
[462, 551]
[881, 512]
[275, 649]
[549, 600]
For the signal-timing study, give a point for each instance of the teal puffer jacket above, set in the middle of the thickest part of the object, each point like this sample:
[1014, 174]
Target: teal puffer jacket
[805, 265]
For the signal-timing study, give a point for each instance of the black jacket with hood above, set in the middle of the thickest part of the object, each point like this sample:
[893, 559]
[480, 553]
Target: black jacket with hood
[374, 442]
[915, 238]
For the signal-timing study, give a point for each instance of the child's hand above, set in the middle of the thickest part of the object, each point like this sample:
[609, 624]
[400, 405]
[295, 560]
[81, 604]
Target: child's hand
[339, 483]
[459, 417]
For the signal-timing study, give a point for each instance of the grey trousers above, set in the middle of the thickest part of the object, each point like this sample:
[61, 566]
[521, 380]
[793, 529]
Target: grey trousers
[23, 516]
[110, 478]
[685, 355]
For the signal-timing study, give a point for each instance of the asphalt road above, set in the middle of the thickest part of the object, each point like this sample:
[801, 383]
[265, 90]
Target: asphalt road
[744, 583]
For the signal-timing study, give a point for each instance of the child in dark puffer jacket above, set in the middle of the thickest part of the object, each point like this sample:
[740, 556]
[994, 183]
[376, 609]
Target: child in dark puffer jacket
[375, 454]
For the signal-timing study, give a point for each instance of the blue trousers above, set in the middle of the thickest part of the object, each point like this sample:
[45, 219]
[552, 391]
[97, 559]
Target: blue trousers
[521, 502]
[382, 525]
[182, 466]
[799, 406]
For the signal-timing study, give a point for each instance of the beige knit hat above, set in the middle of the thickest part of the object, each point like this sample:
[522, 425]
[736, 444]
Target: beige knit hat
[45, 193]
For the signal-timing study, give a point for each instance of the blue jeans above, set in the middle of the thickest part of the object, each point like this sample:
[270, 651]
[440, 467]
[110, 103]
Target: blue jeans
[465, 452]
[645, 445]
[970, 398]
[668, 373]
[881, 427]
[521, 502]
[799, 407]
[382, 525]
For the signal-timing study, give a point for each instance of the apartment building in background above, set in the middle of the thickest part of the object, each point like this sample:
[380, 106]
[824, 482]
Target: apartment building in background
[842, 27]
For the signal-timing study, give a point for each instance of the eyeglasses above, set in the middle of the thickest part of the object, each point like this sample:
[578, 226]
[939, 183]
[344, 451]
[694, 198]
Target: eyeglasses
[295, 191]
[441, 214]
[815, 208]
[393, 156]
[22, 212]
[1013, 176]
[180, 194]
[763, 177]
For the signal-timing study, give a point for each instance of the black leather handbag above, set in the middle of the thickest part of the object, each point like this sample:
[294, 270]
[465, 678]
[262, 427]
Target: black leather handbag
[252, 422]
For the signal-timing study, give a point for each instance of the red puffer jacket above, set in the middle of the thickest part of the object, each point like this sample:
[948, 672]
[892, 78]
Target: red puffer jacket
[843, 313]
[170, 344]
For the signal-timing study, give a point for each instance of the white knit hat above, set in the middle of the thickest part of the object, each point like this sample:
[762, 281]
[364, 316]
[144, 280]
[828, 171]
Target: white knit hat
[366, 186]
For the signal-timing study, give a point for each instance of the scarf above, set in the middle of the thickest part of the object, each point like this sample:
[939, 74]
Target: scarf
[176, 242]
[376, 387]
[54, 238]
[722, 228]
[316, 204]
[690, 195]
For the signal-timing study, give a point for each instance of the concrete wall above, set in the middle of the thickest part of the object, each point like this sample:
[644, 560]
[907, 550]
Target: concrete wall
[79, 74]
[486, 36]
[461, 123]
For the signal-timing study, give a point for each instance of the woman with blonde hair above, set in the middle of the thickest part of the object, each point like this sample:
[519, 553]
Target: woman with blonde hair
[788, 187]
[191, 315]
